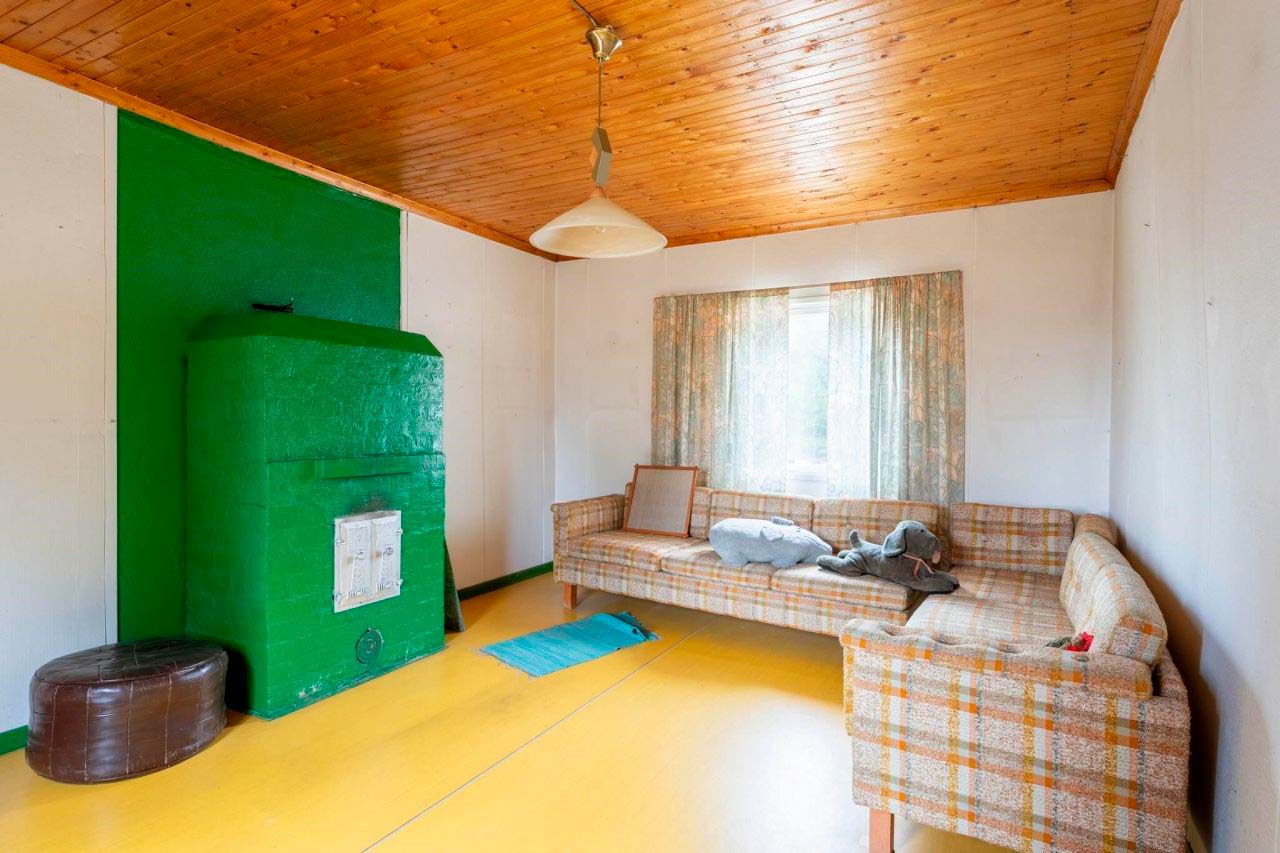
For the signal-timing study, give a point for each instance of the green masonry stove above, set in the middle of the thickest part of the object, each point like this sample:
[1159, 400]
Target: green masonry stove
[315, 503]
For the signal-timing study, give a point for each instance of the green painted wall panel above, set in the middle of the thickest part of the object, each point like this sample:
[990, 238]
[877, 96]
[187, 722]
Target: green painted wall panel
[13, 739]
[365, 411]
[203, 231]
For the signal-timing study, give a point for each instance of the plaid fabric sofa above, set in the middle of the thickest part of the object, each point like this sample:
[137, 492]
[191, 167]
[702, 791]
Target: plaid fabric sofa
[592, 551]
[964, 719]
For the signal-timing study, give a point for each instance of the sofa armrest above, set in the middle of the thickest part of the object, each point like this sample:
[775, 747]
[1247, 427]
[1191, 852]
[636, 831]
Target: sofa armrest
[1103, 595]
[1017, 744]
[590, 515]
[1100, 524]
[1105, 674]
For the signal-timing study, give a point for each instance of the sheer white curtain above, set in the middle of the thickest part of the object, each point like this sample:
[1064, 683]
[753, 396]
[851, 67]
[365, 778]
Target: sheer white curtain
[719, 386]
[895, 405]
[849, 392]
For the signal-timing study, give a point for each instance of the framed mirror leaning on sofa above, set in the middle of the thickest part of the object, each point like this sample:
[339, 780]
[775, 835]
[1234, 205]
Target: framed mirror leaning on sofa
[661, 499]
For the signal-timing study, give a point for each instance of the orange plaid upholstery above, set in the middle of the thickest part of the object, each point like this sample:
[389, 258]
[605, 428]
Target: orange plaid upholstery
[593, 515]
[639, 550]
[726, 504]
[833, 518]
[1024, 589]
[745, 602]
[997, 604]
[1099, 524]
[592, 550]
[698, 525]
[992, 620]
[1021, 755]
[1110, 674]
[1008, 537]
[808, 579]
[1107, 598]
[966, 721]
[700, 560]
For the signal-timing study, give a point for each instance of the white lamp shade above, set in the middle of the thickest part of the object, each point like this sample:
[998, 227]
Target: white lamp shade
[597, 228]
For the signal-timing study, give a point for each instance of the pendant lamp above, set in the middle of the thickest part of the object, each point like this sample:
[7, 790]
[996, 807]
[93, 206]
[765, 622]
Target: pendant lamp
[598, 228]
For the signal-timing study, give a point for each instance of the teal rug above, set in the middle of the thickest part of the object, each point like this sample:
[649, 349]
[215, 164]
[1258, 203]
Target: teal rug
[554, 649]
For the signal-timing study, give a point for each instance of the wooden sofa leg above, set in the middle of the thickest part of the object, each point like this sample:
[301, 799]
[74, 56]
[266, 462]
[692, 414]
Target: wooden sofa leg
[570, 596]
[881, 834]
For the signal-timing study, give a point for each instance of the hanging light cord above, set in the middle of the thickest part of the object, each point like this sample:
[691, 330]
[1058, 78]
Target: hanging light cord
[599, 93]
[603, 41]
[599, 67]
[583, 10]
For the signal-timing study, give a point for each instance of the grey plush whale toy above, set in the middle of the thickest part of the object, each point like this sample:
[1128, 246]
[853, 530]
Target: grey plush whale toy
[903, 558]
[780, 542]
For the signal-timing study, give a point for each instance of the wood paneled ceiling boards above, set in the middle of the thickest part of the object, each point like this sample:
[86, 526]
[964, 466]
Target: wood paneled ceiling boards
[727, 118]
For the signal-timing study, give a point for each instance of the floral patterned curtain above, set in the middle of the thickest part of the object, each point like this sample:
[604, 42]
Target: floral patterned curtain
[895, 404]
[719, 386]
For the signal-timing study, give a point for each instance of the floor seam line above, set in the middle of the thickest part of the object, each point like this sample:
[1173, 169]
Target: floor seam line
[540, 734]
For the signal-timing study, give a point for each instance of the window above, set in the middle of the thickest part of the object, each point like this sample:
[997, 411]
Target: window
[852, 389]
[807, 391]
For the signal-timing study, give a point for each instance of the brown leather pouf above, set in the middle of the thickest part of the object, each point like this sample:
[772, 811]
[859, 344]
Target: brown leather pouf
[124, 710]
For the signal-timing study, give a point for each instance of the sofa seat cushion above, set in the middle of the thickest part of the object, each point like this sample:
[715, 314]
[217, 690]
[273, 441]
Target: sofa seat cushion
[637, 550]
[700, 560]
[961, 614]
[809, 580]
[1010, 537]
[1026, 589]
[740, 600]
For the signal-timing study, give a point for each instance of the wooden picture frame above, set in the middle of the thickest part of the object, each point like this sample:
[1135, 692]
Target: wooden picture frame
[664, 498]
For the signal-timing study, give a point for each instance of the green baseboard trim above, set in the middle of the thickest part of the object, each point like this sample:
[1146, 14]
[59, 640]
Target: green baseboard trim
[506, 580]
[13, 739]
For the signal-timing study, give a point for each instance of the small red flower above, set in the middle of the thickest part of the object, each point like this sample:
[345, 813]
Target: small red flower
[1081, 642]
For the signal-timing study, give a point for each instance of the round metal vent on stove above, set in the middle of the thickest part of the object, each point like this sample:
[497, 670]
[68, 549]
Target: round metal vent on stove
[369, 646]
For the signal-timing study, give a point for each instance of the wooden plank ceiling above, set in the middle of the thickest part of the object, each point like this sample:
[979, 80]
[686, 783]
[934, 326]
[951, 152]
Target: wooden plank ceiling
[727, 118]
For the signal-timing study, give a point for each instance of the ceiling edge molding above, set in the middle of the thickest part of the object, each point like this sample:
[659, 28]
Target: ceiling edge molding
[1031, 193]
[1166, 12]
[78, 82]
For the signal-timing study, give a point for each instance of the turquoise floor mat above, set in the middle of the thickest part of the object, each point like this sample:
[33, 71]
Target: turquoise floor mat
[553, 649]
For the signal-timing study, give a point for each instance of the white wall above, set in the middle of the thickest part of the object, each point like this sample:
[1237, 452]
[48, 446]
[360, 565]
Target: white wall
[53, 375]
[1195, 449]
[488, 308]
[1037, 289]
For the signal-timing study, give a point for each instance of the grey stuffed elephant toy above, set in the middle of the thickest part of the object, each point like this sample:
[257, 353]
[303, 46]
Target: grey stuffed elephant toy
[903, 558]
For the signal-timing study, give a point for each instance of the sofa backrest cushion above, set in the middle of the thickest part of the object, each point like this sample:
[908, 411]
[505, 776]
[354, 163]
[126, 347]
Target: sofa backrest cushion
[1104, 596]
[833, 518]
[1099, 524]
[726, 504]
[698, 525]
[988, 536]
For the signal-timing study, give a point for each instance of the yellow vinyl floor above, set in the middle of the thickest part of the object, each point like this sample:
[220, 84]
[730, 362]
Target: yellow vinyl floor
[723, 735]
